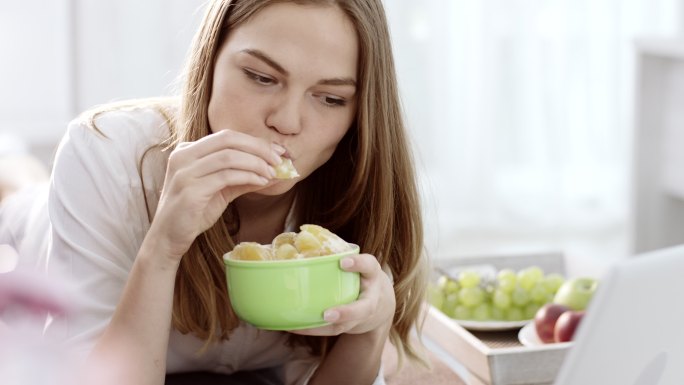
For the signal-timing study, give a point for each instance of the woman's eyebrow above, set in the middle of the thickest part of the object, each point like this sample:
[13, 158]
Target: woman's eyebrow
[273, 64]
[338, 82]
[266, 59]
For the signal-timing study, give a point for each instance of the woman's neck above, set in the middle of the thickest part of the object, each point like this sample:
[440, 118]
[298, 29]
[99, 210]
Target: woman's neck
[262, 217]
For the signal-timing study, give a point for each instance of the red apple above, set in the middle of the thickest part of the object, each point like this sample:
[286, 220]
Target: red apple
[566, 325]
[545, 320]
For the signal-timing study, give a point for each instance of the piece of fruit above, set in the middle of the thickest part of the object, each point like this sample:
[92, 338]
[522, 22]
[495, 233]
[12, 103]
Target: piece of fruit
[576, 293]
[553, 282]
[469, 278]
[286, 170]
[286, 251]
[471, 296]
[482, 312]
[540, 293]
[284, 238]
[566, 325]
[529, 276]
[507, 280]
[462, 312]
[501, 299]
[520, 296]
[251, 251]
[307, 244]
[545, 320]
[331, 243]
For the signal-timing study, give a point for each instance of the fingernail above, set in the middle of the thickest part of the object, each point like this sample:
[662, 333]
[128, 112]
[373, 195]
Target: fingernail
[346, 263]
[263, 180]
[278, 148]
[272, 171]
[331, 316]
[276, 158]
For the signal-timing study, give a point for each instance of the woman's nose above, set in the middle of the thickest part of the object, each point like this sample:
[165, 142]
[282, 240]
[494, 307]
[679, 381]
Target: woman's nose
[286, 116]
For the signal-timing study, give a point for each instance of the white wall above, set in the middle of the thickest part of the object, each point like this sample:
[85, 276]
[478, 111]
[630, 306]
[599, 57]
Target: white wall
[59, 57]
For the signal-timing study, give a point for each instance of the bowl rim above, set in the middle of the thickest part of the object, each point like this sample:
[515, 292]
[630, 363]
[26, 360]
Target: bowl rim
[289, 262]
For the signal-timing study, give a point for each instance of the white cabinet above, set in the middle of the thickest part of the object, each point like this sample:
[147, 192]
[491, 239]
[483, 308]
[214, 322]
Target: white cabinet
[658, 209]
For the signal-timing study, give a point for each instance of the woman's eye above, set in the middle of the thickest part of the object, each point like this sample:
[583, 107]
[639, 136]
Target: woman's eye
[331, 101]
[263, 80]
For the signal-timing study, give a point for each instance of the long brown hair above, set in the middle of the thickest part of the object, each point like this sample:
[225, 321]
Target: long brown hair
[366, 192]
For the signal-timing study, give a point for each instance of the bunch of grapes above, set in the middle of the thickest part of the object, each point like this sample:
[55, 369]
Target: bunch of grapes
[507, 296]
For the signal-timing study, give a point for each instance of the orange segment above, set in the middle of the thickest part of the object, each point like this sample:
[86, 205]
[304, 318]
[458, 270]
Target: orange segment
[286, 170]
[251, 251]
[286, 251]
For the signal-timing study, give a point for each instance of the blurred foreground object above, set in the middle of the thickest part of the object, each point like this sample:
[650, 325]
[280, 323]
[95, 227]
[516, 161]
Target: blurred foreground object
[27, 357]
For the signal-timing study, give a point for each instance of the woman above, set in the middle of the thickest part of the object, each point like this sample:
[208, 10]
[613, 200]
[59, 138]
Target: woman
[146, 197]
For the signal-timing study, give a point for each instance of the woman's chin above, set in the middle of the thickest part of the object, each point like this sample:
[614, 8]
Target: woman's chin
[278, 187]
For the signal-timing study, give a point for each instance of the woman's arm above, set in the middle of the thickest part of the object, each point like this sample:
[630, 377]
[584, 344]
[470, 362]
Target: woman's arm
[128, 276]
[133, 348]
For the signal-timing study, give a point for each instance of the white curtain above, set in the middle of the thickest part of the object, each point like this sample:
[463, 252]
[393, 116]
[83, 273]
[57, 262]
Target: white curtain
[521, 115]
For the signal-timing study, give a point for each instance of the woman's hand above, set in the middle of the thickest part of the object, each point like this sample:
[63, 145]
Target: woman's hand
[373, 310]
[201, 179]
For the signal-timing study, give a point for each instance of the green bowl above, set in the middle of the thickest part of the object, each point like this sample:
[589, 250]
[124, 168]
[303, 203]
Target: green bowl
[289, 294]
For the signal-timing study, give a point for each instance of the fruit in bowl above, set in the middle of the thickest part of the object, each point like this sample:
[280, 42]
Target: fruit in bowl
[576, 293]
[557, 321]
[566, 325]
[545, 321]
[288, 284]
[483, 293]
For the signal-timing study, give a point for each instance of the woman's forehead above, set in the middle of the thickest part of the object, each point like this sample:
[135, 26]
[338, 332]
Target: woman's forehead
[319, 38]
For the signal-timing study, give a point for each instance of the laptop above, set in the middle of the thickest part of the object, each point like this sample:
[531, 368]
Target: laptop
[633, 331]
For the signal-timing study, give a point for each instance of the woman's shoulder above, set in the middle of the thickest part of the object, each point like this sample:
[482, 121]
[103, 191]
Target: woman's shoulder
[113, 140]
[145, 122]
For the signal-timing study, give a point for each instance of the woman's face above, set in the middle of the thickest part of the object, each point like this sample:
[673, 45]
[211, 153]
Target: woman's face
[288, 75]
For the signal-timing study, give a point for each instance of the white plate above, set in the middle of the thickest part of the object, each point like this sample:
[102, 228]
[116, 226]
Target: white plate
[491, 325]
[528, 337]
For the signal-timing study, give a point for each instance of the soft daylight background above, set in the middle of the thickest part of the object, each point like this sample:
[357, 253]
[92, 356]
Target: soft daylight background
[521, 110]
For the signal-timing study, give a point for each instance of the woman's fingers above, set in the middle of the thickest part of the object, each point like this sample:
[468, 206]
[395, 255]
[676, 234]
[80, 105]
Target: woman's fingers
[229, 139]
[372, 309]
[230, 159]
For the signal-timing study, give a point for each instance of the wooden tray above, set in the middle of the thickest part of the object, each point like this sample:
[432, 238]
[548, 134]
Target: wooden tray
[497, 357]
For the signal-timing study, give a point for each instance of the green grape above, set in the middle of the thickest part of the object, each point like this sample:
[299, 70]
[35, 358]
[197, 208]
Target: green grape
[531, 310]
[520, 296]
[482, 312]
[527, 277]
[498, 314]
[539, 293]
[469, 278]
[552, 282]
[471, 296]
[501, 299]
[506, 279]
[515, 314]
[462, 312]
[450, 303]
[451, 287]
[435, 296]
